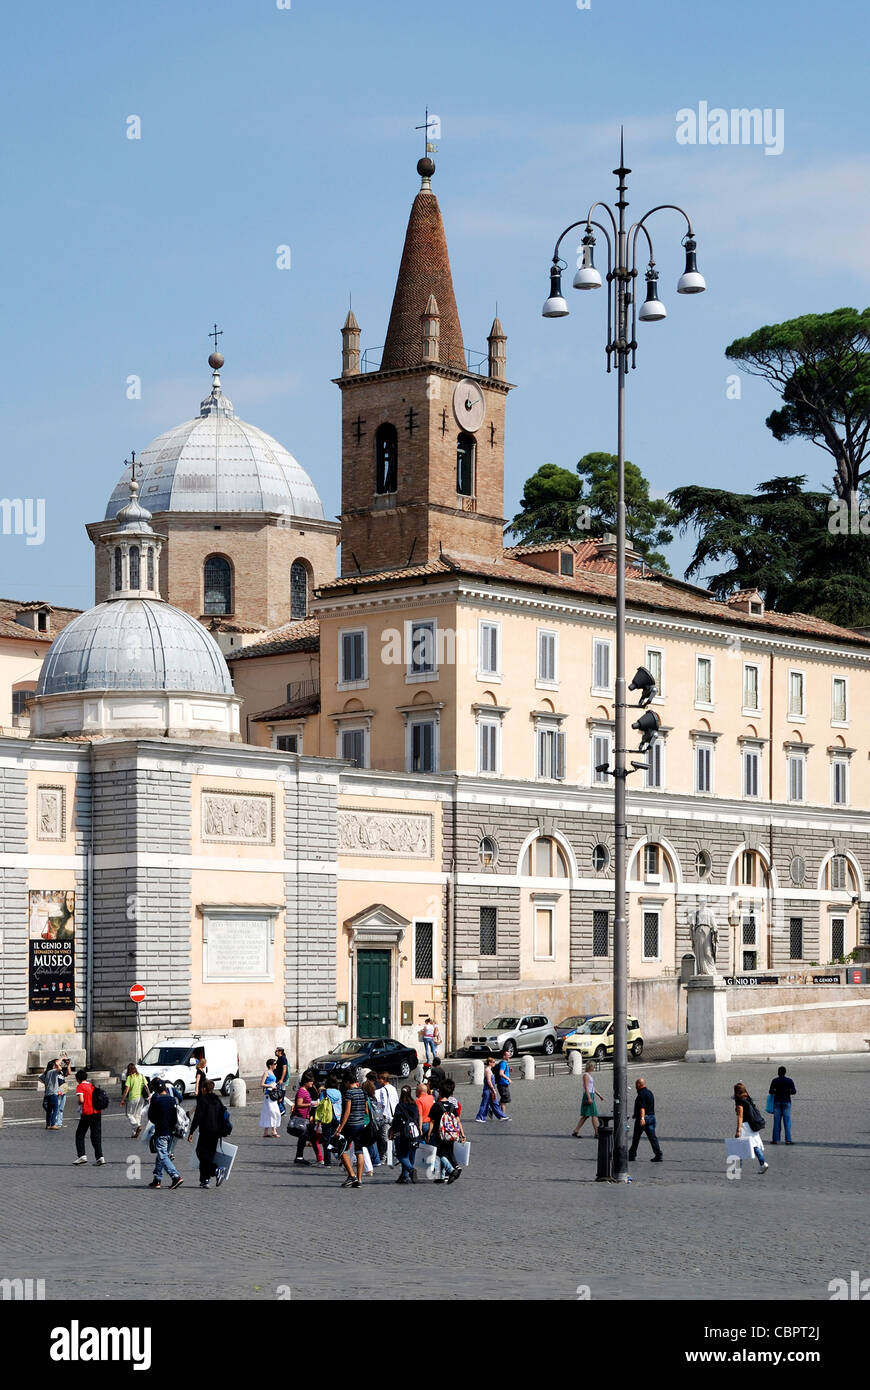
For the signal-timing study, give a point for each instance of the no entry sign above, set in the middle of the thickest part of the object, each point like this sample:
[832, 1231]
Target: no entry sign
[137, 993]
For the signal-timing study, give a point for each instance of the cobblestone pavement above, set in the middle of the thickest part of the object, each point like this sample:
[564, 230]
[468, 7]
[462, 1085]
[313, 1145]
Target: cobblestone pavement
[526, 1220]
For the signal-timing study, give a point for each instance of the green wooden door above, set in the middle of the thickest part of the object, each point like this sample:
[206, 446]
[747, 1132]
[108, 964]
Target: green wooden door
[373, 994]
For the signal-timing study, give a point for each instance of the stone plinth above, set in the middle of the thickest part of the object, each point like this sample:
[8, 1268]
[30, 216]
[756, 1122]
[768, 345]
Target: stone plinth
[707, 1008]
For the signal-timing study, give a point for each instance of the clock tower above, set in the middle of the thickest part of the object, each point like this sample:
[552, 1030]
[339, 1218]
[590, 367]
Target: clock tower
[422, 432]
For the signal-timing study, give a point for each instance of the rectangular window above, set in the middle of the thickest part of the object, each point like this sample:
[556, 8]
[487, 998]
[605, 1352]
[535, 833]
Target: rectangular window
[750, 689]
[655, 666]
[547, 657]
[566, 562]
[353, 746]
[551, 754]
[423, 747]
[287, 743]
[19, 701]
[421, 653]
[487, 743]
[796, 695]
[651, 861]
[545, 939]
[600, 758]
[703, 680]
[838, 937]
[488, 931]
[353, 657]
[749, 868]
[796, 938]
[839, 710]
[654, 776]
[490, 657]
[796, 764]
[839, 782]
[601, 665]
[651, 935]
[424, 950]
[838, 871]
[600, 932]
[751, 762]
[703, 767]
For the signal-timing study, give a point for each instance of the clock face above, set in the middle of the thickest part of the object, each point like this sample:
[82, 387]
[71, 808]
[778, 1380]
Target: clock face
[469, 406]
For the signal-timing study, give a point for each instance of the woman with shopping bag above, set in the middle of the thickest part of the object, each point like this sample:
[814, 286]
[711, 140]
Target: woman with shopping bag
[301, 1125]
[750, 1122]
[405, 1134]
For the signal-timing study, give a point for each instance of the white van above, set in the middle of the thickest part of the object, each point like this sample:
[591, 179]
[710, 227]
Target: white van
[175, 1059]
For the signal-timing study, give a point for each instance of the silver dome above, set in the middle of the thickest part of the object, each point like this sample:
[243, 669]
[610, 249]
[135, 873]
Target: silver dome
[134, 644]
[218, 463]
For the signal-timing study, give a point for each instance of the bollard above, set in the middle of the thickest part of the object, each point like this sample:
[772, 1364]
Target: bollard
[528, 1068]
[575, 1064]
[605, 1149]
[238, 1094]
[1, 1110]
[477, 1073]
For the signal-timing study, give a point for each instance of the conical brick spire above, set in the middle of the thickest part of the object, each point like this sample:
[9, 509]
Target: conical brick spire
[424, 271]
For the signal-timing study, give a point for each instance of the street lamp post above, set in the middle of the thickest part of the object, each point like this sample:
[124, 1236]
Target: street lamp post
[622, 316]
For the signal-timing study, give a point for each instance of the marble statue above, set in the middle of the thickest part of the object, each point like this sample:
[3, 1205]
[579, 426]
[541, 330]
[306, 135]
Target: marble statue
[705, 939]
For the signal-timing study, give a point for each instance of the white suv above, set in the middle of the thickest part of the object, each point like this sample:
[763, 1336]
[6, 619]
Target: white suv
[514, 1033]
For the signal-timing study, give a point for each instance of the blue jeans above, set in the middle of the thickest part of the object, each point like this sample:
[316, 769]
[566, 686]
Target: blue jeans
[51, 1114]
[164, 1162]
[782, 1115]
[429, 1049]
[61, 1102]
[649, 1129]
[489, 1102]
[407, 1162]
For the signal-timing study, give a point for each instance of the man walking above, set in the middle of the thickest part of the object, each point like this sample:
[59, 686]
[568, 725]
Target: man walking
[282, 1074]
[645, 1121]
[387, 1097]
[782, 1088]
[90, 1119]
[503, 1077]
[162, 1114]
[52, 1080]
[489, 1100]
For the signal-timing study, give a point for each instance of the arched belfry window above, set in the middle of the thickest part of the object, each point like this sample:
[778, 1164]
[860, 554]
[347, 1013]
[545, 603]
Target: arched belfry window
[386, 459]
[119, 582]
[218, 585]
[151, 567]
[298, 589]
[465, 465]
[134, 567]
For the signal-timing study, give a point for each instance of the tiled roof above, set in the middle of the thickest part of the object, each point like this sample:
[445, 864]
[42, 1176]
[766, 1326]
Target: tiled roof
[298, 709]
[300, 636]
[59, 617]
[653, 593]
[424, 270]
[218, 625]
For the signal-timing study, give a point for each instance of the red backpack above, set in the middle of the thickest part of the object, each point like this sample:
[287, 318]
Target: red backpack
[449, 1130]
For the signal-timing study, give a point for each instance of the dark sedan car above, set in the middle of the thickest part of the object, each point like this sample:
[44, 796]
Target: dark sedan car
[567, 1027]
[366, 1054]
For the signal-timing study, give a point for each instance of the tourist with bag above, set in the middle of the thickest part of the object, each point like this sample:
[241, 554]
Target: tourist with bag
[374, 1117]
[329, 1093]
[91, 1109]
[750, 1123]
[404, 1130]
[301, 1124]
[445, 1129]
[352, 1128]
[208, 1118]
[163, 1114]
[270, 1115]
[489, 1100]
[52, 1081]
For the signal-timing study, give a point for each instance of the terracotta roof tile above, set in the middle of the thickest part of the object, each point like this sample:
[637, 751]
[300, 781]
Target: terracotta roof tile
[297, 709]
[424, 270]
[300, 636]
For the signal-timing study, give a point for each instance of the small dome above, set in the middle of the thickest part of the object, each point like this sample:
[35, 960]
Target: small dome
[134, 644]
[218, 463]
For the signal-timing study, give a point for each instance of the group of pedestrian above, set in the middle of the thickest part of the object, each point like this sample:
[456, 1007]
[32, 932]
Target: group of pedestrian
[496, 1089]
[54, 1080]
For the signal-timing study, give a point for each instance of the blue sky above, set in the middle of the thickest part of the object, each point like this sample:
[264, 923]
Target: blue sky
[264, 126]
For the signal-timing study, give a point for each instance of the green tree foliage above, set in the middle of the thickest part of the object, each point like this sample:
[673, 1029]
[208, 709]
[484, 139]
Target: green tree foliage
[820, 365]
[559, 505]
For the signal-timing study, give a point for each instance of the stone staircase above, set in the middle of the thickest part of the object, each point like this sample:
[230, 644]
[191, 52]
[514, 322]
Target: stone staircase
[29, 1080]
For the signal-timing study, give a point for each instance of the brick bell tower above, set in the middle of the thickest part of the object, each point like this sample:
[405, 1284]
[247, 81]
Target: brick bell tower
[423, 435]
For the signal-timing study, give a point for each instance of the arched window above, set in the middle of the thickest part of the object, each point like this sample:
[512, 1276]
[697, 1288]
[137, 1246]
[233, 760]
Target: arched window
[465, 465]
[151, 567]
[298, 590]
[386, 459]
[218, 585]
[134, 567]
[544, 858]
[119, 583]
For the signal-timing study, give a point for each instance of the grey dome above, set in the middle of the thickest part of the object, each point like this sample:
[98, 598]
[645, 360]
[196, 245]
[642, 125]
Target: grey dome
[218, 463]
[134, 644]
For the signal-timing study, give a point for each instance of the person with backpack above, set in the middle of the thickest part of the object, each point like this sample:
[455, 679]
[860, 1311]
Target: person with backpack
[445, 1129]
[749, 1123]
[92, 1102]
[489, 1100]
[163, 1114]
[404, 1130]
[306, 1095]
[134, 1096]
[387, 1098]
[328, 1126]
[373, 1119]
[52, 1081]
[209, 1119]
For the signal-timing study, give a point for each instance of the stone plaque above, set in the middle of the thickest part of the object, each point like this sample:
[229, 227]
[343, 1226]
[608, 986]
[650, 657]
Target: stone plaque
[385, 832]
[50, 813]
[237, 948]
[231, 818]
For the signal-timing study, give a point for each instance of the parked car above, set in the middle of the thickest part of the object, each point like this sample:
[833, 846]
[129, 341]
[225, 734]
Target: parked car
[567, 1027]
[175, 1060]
[594, 1038]
[514, 1033]
[366, 1054]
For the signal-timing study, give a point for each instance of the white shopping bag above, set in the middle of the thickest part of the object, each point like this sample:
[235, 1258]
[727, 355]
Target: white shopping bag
[390, 1159]
[146, 1134]
[462, 1153]
[429, 1161]
[738, 1148]
[367, 1162]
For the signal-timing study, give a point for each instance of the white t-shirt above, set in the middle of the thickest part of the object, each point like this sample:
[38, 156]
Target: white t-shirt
[429, 1030]
[388, 1098]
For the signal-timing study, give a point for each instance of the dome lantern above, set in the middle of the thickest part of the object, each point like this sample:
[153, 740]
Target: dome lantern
[134, 550]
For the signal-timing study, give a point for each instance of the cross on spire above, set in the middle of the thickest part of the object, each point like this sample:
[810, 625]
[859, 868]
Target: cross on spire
[427, 147]
[133, 465]
[216, 333]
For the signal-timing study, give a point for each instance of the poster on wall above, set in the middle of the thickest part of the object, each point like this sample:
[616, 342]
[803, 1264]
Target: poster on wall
[52, 948]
